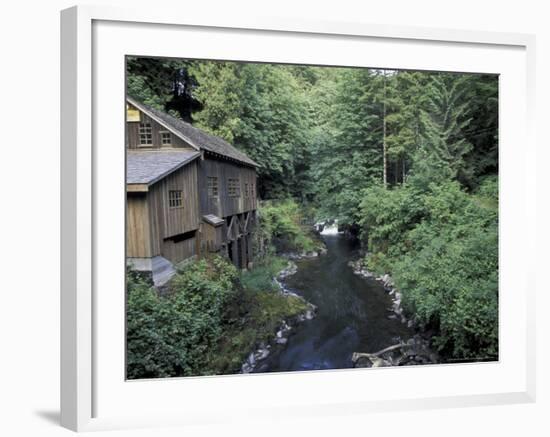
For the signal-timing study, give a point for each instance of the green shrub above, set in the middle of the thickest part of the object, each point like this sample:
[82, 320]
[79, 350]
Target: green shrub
[281, 224]
[208, 322]
[170, 336]
[441, 247]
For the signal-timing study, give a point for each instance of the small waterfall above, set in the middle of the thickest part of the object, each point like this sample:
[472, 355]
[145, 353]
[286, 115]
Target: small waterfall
[330, 229]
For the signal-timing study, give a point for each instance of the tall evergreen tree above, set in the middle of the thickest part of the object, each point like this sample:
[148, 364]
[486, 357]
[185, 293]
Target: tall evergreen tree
[443, 143]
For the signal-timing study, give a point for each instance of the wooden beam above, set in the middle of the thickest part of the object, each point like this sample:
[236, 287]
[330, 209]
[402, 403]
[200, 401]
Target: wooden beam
[137, 188]
[235, 253]
[243, 252]
[230, 235]
[245, 230]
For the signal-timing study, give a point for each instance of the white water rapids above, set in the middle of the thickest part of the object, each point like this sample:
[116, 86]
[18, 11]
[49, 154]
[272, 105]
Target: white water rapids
[330, 229]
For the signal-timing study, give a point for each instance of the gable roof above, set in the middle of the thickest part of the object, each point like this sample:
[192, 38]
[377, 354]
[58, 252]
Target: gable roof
[148, 167]
[197, 138]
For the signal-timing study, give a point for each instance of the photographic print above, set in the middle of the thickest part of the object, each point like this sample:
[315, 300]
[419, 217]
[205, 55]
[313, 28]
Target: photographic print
[294, 217]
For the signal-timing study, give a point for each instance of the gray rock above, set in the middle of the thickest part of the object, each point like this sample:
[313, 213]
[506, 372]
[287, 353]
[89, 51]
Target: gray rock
[262, 354]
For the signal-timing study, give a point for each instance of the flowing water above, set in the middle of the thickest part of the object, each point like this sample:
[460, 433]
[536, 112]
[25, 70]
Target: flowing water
[352, 313]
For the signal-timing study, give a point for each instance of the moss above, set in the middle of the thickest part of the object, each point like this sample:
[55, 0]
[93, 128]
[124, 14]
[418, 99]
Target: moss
[264, 314]
[260, 278]
[253, 318]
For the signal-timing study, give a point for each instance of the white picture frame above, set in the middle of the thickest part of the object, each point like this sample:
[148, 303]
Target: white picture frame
[93, 395]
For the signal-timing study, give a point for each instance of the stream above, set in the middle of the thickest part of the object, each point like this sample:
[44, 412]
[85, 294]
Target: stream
[351, 313]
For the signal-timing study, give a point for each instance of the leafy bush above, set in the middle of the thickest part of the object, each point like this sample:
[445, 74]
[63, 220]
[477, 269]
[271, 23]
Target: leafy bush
[208, 322]
[441, 246]
[281, 225]
[169, 336]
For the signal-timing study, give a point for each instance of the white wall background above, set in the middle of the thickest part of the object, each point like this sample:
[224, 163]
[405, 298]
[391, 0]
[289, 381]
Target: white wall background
[29, 216]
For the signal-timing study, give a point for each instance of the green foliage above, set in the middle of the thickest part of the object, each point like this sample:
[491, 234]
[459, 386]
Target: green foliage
[262, 110]
[170, 336]
[441, 246]
[281, 224]
[259, 310]
[211, 318]
[162, 83]
[260, 278]
[259, 316]
[346, 155]
[321, 136]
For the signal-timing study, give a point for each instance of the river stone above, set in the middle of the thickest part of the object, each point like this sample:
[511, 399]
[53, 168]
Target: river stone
[262, 354]
[281, 340]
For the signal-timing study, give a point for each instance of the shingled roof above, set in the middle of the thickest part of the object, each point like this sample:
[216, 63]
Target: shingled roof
[194, 136]
[148, 167]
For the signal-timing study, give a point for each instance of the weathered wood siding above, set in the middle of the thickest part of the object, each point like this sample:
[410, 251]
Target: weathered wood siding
[179, 251]
[223, 205]
[167, 222]
[211, 237]
[138, 234]
[132, 135]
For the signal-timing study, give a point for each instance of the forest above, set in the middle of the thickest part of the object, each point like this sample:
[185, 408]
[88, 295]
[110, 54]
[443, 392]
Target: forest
[404, 161]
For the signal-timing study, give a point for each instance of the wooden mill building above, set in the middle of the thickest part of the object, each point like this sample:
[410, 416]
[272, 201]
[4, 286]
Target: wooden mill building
[189, 193]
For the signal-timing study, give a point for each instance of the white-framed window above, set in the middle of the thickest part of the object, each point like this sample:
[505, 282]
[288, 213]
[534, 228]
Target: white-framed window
[233, 187]
[166, 138]
[175, 199]
[145, 134]
[212, 182]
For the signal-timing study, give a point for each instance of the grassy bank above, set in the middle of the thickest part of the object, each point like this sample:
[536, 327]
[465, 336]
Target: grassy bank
[211, 318]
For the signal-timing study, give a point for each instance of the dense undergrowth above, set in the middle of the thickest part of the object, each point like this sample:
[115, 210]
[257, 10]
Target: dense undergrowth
[440, 244]
[211, 317]
[285, 226]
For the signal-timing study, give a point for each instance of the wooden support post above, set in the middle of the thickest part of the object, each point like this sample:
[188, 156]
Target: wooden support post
[249, 251]
[244, 258]
[235, 252]
[198, 235]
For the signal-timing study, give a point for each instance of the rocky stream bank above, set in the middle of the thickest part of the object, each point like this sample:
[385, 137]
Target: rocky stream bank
[286, 327]
[415, 350]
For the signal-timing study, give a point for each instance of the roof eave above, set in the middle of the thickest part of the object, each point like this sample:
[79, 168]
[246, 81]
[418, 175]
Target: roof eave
[168, 172]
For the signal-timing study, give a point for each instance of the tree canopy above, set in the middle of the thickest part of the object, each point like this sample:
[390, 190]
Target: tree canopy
[410, 158]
